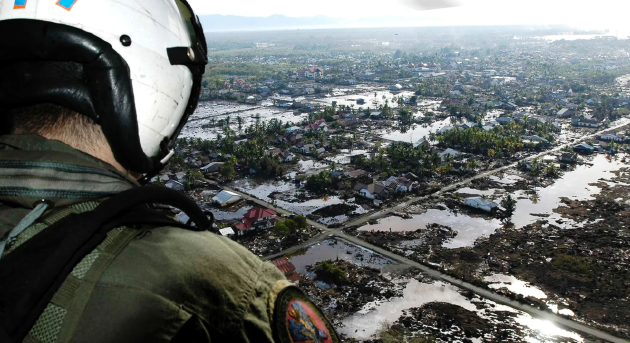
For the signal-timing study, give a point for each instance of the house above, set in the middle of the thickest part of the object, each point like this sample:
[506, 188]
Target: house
[227, 232]
[504, 120]
[175, 185]
[482, 204]
[395, 88]
[565, 113]
[422, 142]
[586, 122]
[535, 138]
[213, 167]
[568, 157]
[371, 191]
[375, 115]
[291, 137]
[312, 73]
[257, 218]
[398, 184]
[318, 125]
[293, 129]
[287, 268]
[611, 137]
[286, 156]
[226, 198]
[353, 174]
[583, 148]
[449, 153]
[305, 148]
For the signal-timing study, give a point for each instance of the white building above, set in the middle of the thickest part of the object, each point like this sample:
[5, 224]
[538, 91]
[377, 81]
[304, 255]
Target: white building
[227, 232]
[226, 198]
[482, 204]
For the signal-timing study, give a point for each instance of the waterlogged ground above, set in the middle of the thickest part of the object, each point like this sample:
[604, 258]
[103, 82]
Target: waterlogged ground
[381, 293]
[366, 324]
[334, 249]
[469, 228]
[575, 184]
[287, 194]
[204, 123]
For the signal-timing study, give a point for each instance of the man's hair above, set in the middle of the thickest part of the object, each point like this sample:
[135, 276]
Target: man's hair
[60, 123]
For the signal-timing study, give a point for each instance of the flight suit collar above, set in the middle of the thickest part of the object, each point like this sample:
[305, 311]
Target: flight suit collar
[33, 168]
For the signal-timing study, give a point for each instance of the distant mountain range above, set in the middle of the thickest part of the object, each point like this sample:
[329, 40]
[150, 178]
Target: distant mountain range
[221, 23]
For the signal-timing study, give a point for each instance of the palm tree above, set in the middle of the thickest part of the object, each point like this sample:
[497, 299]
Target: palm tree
[239, 121]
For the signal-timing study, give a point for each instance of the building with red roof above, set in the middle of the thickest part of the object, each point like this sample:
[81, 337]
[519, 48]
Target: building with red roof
[257, 218]
[287, 268]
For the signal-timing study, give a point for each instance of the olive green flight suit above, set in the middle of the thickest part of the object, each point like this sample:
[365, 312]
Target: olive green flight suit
[140, 285]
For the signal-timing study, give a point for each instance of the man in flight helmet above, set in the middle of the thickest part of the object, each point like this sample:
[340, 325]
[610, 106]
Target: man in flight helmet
[92, 97]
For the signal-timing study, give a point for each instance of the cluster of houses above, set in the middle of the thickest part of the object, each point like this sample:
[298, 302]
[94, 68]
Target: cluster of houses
[378, 191]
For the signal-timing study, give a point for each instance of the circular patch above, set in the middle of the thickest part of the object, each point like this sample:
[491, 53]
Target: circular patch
[298, 320]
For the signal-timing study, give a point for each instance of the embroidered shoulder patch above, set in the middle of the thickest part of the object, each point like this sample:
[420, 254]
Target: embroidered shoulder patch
[298, 320]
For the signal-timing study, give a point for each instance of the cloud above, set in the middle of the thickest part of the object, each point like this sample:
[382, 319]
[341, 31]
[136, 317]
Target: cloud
[423, 5]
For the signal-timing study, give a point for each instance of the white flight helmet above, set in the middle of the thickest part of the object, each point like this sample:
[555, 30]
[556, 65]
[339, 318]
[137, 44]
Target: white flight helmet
[138, 63]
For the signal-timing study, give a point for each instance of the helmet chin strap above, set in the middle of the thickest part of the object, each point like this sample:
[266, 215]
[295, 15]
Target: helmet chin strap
[150, 175]
[158, 167]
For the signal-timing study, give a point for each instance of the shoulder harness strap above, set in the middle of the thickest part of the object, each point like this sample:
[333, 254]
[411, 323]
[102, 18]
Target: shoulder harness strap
[34, 271]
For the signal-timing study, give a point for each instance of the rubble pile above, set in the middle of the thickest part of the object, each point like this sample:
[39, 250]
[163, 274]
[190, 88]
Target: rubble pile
[364, 285]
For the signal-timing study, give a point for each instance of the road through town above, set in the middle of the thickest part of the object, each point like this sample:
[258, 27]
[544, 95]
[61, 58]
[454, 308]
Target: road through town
[327, 232]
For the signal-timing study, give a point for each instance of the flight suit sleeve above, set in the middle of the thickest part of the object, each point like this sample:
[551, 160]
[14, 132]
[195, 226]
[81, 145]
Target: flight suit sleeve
[281, 313]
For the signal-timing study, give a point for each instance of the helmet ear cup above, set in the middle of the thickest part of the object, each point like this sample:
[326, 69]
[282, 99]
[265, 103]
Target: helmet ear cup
[130, 86]
[104, 92]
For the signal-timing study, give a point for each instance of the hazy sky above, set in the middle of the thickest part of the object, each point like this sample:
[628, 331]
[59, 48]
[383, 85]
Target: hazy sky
[613, 14]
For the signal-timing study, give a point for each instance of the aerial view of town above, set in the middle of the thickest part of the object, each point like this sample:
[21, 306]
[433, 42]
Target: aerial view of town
[428, 184]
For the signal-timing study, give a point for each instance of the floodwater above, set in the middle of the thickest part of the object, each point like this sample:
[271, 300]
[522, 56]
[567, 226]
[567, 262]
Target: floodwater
[514, 285]
[573, 185]
[332, 249]
[468, 228]
[224, 215]
[370, 319]
[507, 179]
[417, 133]
[373, 99]
[311, 166]
[212, 112]
[346, 154]
[264, 190]
[366, 323]
[468, 190]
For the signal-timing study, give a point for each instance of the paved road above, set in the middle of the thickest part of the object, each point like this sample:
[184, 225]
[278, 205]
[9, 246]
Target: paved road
[434, 273]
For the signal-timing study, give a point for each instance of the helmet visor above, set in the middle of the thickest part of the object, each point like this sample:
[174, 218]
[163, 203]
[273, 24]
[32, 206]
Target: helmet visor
[195, 32]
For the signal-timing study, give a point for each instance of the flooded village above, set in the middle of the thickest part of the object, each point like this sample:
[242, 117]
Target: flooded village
[459, 190]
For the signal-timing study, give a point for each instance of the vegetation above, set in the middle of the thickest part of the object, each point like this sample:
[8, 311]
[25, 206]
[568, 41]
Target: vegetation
[289, 226]
[319, 183]
[507, 138]
[509, 204]
[328, 272]
[575, 264]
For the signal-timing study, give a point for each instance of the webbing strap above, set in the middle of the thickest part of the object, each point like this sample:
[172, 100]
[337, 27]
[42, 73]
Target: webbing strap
[27, 221]
[52, 254]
